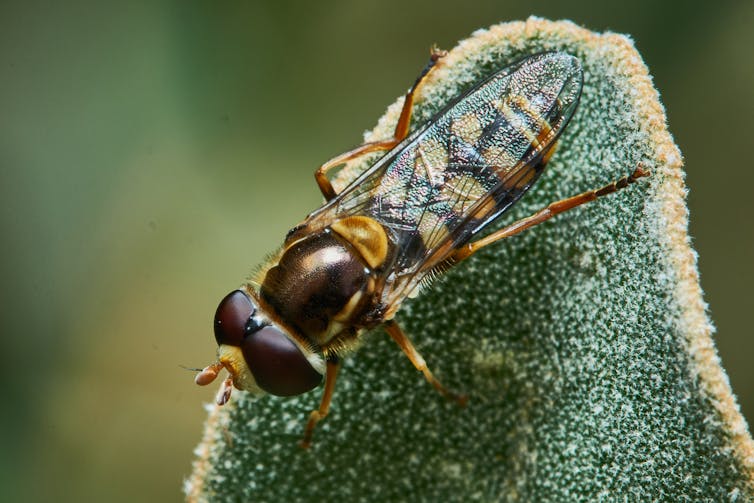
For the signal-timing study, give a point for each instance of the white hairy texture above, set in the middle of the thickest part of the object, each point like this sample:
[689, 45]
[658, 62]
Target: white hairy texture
[583, 343]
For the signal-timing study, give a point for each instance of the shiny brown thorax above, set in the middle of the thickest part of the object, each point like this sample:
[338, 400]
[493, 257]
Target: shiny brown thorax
[326, 285]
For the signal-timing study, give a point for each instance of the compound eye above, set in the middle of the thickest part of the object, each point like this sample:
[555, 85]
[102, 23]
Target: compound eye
[232, 318]
[278, 365]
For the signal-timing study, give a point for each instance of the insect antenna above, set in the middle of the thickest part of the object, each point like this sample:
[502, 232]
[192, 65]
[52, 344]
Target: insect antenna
[207, 374]
[191, 369]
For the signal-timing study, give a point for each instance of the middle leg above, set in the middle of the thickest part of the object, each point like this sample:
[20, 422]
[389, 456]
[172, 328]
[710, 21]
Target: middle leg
[399, 134]
[392, 328]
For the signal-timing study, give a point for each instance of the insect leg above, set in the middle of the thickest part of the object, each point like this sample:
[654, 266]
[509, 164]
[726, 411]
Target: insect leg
[331, 374]
[401, 128]
[547, 213]
[321, 174]
[392, 328]
[400, 133]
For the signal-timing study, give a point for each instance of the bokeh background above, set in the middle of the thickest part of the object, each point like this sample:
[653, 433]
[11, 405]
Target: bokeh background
[152, 152]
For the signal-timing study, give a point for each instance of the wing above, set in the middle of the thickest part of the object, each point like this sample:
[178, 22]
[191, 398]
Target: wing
[465, 167]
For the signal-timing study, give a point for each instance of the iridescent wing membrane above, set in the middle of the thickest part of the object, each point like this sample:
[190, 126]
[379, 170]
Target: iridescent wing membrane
[465, 167]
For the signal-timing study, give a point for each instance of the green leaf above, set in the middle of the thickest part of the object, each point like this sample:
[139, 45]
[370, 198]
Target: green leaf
[583, 343]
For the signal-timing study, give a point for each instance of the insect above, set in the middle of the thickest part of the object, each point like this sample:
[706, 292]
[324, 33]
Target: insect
[414, 213]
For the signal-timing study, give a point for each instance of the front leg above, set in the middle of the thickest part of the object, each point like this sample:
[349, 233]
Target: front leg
[331, 375]
[400, 133]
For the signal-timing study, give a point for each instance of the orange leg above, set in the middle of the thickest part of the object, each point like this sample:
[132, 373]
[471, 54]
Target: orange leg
[392, 328]
[331, 374]
[400, 133]
[547, 213]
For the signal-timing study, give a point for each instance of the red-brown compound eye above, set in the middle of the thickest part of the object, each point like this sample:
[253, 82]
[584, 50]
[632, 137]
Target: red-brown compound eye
[232, 318]
[278, 365]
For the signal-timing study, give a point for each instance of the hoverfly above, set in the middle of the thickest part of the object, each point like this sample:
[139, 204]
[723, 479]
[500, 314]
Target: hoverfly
[414, 213]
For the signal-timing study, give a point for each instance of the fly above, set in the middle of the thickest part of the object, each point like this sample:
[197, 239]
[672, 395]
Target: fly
[413, 214]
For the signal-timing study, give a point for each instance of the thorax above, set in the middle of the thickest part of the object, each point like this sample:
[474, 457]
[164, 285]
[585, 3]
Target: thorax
[326, 284]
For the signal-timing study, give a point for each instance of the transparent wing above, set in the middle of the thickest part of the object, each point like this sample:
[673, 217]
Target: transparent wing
[461, 170]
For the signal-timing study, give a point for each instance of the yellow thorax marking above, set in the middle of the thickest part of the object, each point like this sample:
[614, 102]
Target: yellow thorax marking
[366, 235]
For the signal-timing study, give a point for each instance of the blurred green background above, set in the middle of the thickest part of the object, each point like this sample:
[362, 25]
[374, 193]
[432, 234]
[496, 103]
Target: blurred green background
[152, 152]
